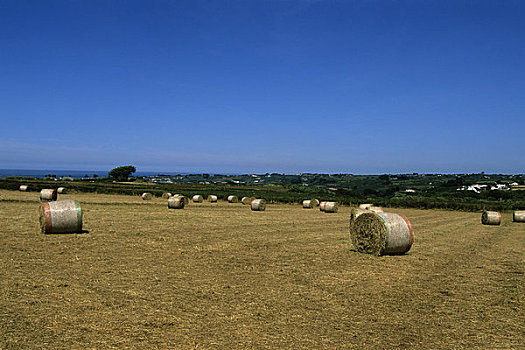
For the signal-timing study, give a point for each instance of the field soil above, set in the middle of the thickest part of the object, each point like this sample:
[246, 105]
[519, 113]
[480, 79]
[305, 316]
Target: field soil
[219, 275]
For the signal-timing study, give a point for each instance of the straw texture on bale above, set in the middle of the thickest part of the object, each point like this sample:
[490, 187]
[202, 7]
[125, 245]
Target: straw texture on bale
[48, 194]
[60, 217]
[518, 216]
[365, 206]
[258, 205]
[308, 204]
[331, 207]
[61, 190]
[22, 188]
[197, 198]
[212, 198]
[233, 199]
[247, 200]
[381, 233]
[176, 202]
[322, 206]
[354, 213]
[166, 195]
[491, 218]
[147, 196]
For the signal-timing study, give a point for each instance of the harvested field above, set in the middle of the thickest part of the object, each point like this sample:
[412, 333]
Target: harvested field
[221, 276]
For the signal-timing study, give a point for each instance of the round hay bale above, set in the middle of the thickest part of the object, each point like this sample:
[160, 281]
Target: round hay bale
[166, 195]
[376, 209]
[382, 233]
[233, 199]
[176, 202]
[212, 198]
[48, 194]
[308, 204]
[22, 188]
[247, 200]
[197, 198]
[365, 206]
[491, 218]
[258, 205]
[61, 190]
[518, 216]
[316, 201]
[60, 217]
[185, 199]
[147, 196]
[322, 206]
[331, 207]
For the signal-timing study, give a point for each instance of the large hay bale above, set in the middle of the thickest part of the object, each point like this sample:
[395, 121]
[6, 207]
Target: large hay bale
[381, 233]
[176, 202]
[166, 195]
[247, 200]
[48, 194]
[331, 207]
[147, 196]
[212, 198]
[61, 190]
[60, 217]
[258, 205]
[490, 218]
[23, 188]
[233, 199]
[365, 206]
[197, 198]
[518, 216]
[309, 204]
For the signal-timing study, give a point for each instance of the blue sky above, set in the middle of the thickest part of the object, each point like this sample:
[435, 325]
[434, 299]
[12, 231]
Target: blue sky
[360, 87]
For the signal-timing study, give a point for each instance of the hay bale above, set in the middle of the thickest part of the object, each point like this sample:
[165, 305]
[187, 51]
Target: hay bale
[365, 206]
[331, 207]
[166, 195]
[212, 198]
[490, 218]
[48, 194]
[354, 213]
[316, 201]
[185, 199]
[518, 216]
[23, 188]
[176, 202]
[376, 209]
[322, 206]
[258, 205]
[147, 196]
[233, 199]
[309, 204]
[381, 233]
[60, 217]
[61, 190]
[247, 200]
[197, 198]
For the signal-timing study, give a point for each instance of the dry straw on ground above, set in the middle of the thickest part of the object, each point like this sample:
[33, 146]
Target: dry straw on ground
[233, 199]
[176, 202]
[48, 194]
[147, 196]
[258, 205]
[381, 233]
[518, 216]
[490, 218]
[60, 217]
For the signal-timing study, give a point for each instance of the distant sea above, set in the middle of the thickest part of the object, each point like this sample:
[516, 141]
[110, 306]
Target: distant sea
[72, 173]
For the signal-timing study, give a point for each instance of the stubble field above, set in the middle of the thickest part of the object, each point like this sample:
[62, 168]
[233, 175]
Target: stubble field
[222, 276]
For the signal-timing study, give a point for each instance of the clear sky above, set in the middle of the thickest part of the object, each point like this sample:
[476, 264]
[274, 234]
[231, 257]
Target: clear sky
[289, 86]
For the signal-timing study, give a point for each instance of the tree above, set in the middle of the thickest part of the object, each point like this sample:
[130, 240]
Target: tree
[122, 173]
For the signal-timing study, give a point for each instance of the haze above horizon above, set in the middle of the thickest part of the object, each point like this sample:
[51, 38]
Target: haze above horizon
[362, 87]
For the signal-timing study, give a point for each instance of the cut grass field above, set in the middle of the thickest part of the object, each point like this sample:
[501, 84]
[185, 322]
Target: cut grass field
[221, 276]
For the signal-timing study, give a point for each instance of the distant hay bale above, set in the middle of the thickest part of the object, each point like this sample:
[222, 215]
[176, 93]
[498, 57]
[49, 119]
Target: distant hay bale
[185, 199]
[247, 200]
[365, 206]
[22, 188]
[61, 190]
[212, 198]
[331, 207]
[381, 233]
[166, 195]
[518, 216]
[354, 213]
[490, 218]
[375, 209]
[322, 206]
[316, 201]
[147, 196]
[258, 205]
[309, 204]
[176, 202]
[48, 194]
[60, 217]
[197, 198]
[233, 199]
